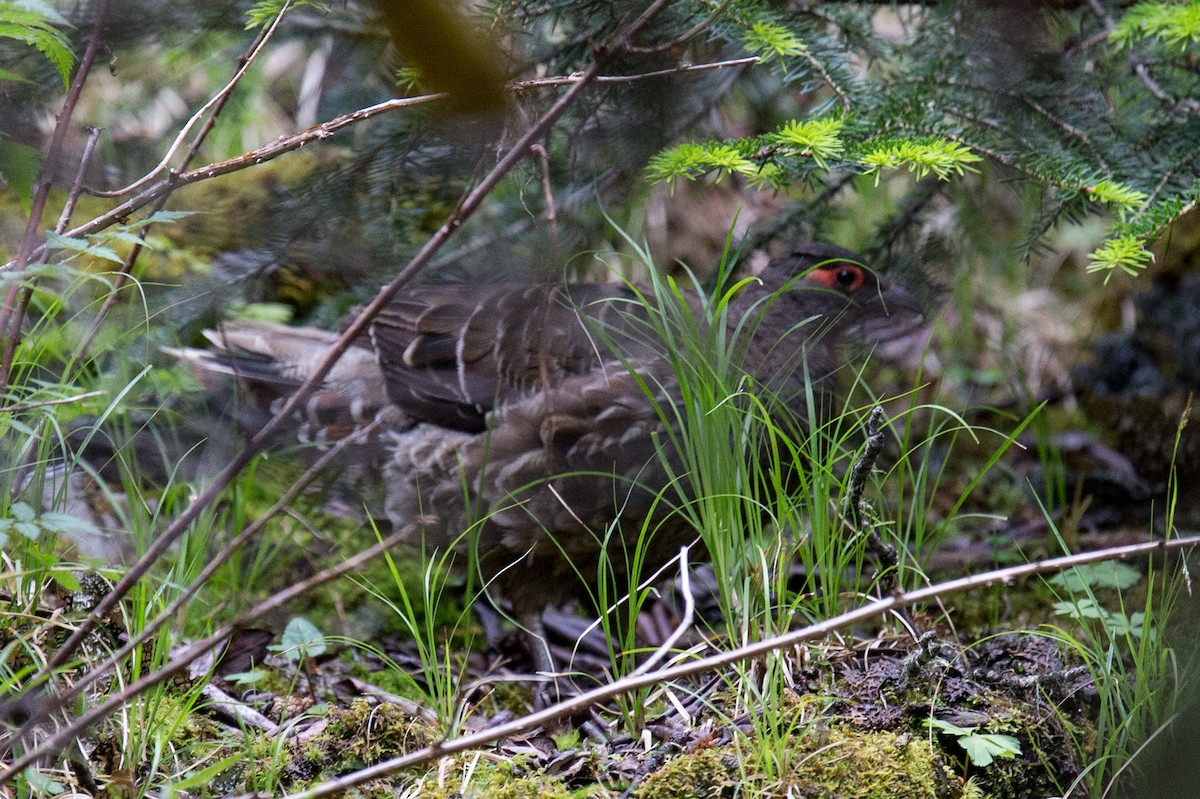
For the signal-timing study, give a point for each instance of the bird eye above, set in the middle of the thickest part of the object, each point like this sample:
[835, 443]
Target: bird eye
[849, 277]
[843, 276]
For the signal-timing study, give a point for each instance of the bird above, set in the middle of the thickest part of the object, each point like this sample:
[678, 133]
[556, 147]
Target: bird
[530, 425]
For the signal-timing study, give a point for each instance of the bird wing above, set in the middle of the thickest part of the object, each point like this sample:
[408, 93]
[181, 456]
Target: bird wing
[451, 353]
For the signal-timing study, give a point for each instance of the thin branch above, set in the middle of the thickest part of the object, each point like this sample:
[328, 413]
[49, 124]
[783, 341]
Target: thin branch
[997, 156]
[469, 205]
[269, 152]
[685, 623]
[551, 213]
[862, 466]
[218, 99]
[15, 409]
[126, 268]
[61, 738]
[992, 125]
[1056, 121]
[829, 81]
[537, 83]
[897, 599]
[89, 147]
[1188, 105]
[216, 562]
[286, 144]
[1182, 163]
[1066, 128]
[686, 35]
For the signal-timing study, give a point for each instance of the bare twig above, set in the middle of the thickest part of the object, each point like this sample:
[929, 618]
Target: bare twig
[1183, 163]
[286, 144]
[282, 145]
[219, 703]
[1053, 119]
[14, 409]
[686, 35]
[126, 268]
[843, 98]
[862, 467]
[1188, 105]
[852, 508]
[465, 209]
[89, 147]
[583, 701]
[565, 80]
[551, 214]
[150, 628]
[216, 100]
[63, 737]
[685, 623]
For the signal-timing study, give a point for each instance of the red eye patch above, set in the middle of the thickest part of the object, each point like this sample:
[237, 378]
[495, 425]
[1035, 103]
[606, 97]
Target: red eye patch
[840, 275]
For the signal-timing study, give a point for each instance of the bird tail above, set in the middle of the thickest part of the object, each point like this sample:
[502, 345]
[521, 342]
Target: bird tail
[267, 362]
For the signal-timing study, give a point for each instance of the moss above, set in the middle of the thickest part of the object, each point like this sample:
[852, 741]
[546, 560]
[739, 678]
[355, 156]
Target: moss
[870, 765]
[1049, 759]
[703, 774]
[161, 736]
[834, 762]
[475, 778]
[363, 734]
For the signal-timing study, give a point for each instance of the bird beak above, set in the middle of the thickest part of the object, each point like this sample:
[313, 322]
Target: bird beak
[904, 314]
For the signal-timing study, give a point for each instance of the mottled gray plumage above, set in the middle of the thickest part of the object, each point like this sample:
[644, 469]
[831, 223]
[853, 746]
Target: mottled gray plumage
[522, 413]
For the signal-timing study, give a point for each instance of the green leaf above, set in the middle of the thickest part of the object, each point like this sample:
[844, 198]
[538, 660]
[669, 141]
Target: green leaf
[82, 246]
[29, 23]
[66, 580]
[1119, 625]
[1170, 23]
[947, 727]
[1108, 574]
[21, 511]
[277, 312]
[1080, 609]
[66, 523]
[41, 783]
[165, 217]
[817, 138]
[264, 11]
[301, 639]
[61, 242]
[1110, 192]
[409, 79]
[200, 779]
[247, 677]
[6, 75]
[1126, 252]
[690, 160]
[942, 157]
[769, 40]
[983, 749]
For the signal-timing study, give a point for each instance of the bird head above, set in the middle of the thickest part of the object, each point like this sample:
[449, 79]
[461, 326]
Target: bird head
[853, 301]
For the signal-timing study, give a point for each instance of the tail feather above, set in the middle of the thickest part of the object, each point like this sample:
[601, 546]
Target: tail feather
[268, 362]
